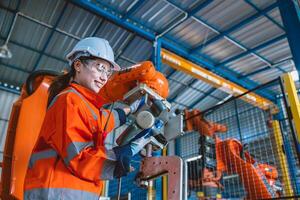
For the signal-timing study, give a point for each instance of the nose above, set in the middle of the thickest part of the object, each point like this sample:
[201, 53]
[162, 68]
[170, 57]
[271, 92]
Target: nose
[103, 77]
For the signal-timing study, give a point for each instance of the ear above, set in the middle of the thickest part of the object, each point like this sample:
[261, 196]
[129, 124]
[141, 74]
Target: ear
[77, 65]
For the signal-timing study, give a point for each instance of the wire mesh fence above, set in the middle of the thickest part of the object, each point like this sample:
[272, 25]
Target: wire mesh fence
[254, 159]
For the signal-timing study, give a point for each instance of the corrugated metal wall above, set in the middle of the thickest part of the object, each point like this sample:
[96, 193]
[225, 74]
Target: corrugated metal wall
[6, 99]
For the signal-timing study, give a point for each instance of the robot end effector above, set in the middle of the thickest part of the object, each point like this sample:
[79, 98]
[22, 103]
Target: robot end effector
[149, 120]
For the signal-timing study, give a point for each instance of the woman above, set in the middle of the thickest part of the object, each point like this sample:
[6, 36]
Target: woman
[69, 159]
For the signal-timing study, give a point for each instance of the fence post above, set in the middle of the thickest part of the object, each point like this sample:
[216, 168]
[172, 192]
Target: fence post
[282, 158]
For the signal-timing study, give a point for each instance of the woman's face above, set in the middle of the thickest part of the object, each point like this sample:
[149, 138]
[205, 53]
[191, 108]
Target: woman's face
[92, 74]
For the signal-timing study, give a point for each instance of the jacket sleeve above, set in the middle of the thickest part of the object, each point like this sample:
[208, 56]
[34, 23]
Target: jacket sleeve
[73, 140]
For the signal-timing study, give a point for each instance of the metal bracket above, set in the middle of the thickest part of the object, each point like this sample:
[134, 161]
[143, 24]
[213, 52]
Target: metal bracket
[154, 167]
[174, 127]
[141, 89]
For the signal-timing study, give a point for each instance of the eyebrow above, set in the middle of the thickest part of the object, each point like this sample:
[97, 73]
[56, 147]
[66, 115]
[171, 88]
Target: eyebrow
[108, 68]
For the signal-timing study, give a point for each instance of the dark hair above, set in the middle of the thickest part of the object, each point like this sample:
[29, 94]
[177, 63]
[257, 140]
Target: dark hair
[61, 82]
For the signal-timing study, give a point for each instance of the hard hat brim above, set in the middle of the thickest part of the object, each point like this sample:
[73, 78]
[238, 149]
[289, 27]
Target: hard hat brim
[114, 65]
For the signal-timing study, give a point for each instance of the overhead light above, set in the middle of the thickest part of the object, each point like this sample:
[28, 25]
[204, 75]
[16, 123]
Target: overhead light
[295, 75]
[4, 51]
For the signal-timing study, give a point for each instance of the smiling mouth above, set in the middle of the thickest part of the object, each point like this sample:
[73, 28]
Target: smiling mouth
[98, 84]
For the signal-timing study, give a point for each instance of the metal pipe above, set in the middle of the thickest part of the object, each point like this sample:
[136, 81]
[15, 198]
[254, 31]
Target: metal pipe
[185, 191]
[48, 26]
[150, 183]
[149, 35]
[155, 44]
[11, 28]
[119, 188]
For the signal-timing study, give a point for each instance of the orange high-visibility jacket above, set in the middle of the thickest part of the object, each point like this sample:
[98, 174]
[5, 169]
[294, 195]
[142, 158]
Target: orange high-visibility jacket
[69, 160]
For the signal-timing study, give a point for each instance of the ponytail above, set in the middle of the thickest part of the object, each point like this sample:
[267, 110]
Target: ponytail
[59, 84]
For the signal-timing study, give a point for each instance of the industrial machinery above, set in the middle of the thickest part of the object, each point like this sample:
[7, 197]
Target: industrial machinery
[205, 172]
[156, 117]
[139, 81]
[217, 157]
[25, 122]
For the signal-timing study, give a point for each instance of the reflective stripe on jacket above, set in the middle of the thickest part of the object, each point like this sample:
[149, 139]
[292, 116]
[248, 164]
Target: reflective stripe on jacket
[69, 158]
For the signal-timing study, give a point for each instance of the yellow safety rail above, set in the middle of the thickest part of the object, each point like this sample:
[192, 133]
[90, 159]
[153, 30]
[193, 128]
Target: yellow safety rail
[293, 100]
[282, 159]
[216, 81]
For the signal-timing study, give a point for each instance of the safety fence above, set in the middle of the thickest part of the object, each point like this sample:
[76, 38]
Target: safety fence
[254, 159]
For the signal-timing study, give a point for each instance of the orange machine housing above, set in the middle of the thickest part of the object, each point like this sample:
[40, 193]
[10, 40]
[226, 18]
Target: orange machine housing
[24, 126]
[127, 79]
[251, 173]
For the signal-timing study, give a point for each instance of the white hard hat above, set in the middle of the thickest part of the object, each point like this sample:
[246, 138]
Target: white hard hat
[96, 47]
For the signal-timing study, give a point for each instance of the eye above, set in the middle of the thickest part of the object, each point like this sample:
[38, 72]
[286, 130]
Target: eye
[100, 67]
[109, 71]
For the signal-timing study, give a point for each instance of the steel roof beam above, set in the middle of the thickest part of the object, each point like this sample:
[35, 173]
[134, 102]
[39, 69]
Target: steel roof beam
[158, 44]
[14, 67]
[133, 9]
[184, 86]
[292, 25]
[6, 89]
[257, 72]
[227, 37]
[199, 7]
[235, 27]
[178, 91]
[267, 68]
[264, 14]
[127, 44]
[194, 88]
[198, 19]
[250, 51]
[41, 23]
[98, 27]
[182, 51]
[34, 50]
[203, 97]
[171, 73]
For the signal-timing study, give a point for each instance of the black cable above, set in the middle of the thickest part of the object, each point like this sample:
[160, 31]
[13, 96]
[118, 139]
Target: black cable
[105, 126]
[110, 110]
[233, 97]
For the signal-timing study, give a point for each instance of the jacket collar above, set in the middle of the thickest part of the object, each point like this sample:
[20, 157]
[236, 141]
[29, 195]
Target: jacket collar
[91, 96]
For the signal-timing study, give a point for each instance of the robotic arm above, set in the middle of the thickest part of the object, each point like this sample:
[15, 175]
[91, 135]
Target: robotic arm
[157, 119]
[124, 81]
[194, 121]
